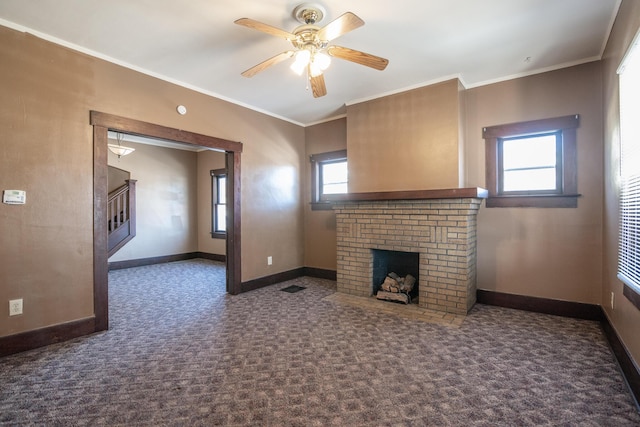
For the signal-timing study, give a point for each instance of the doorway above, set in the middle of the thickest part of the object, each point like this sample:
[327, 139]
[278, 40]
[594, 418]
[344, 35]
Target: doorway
[102, 124]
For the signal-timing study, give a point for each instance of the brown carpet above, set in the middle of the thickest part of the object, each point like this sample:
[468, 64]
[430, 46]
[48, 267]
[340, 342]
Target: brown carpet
[181, 352]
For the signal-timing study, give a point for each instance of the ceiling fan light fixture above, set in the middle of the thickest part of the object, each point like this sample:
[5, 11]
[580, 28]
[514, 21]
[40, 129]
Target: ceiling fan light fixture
[321, 60]
[316, 61]
[302, 60]
[314, 70]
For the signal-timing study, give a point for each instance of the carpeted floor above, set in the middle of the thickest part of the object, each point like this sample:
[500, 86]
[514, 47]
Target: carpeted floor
[181, 352]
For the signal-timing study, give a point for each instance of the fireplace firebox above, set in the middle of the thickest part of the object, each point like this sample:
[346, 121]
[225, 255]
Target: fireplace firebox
[395, 262]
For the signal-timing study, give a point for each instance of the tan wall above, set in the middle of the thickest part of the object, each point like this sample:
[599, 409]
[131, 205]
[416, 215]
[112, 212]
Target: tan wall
[625, 317]
[166, 201]
[462, 134]
[551, 253]
[406, 141]
[208, 160]
[46, 245]
[320, 226]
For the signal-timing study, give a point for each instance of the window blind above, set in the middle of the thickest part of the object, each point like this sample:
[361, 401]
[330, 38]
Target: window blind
[629, 239]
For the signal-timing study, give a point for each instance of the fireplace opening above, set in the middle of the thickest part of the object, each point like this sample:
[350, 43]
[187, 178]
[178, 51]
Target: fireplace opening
[402, 267]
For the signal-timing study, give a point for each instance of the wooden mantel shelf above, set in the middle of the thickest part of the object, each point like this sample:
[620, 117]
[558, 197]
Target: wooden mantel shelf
[448, 193]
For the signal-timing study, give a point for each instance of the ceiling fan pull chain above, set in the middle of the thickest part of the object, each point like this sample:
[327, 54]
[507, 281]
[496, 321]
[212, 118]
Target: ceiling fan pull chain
[308, 79]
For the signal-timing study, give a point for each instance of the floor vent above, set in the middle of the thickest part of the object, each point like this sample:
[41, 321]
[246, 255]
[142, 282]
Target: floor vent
[293, 288]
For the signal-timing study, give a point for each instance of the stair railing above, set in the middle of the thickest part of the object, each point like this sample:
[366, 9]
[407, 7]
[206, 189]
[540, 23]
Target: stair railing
[121, 210]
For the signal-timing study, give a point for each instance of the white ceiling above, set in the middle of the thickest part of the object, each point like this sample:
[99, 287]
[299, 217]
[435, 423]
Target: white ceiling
[195, 43]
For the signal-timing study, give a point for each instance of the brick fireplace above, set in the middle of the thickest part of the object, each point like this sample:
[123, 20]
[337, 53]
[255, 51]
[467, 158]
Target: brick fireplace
[438, 225]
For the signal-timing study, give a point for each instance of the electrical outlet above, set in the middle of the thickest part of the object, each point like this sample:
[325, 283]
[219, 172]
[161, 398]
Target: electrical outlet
[269, 260]
[15, 307]
[612, 297]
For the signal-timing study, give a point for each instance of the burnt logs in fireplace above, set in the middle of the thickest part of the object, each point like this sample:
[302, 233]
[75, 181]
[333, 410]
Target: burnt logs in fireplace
[396, 288]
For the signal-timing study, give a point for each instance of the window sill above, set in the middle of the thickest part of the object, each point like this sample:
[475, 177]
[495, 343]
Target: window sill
[632, 295]
[546, 201]
[322, 206]
[217, 235]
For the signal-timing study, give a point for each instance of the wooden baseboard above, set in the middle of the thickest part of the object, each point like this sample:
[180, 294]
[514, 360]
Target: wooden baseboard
[261, 282]
[629, 369]
[576, 310]
[212, 257]
[320, 273]
[118, 265]
[29, 340]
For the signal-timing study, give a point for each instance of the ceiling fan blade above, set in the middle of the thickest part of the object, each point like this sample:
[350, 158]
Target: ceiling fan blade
[268, 63]
[256, 25]
[339, 26]
[317, 85]
[358, 57]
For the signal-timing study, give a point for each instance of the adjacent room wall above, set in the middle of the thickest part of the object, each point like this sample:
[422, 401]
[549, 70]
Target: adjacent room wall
[171, 192]
[116, 178]
[166, 209]
[46, 245]
[624, 317]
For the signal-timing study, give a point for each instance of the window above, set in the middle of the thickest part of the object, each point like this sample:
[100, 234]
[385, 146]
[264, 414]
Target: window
[532, 164]
[219, 203]
[629, 237]
[328, 176]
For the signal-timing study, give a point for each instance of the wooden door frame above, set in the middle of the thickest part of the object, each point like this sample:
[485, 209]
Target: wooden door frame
[102, 123]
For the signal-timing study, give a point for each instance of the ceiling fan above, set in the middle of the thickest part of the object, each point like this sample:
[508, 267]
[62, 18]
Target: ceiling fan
[311, 46]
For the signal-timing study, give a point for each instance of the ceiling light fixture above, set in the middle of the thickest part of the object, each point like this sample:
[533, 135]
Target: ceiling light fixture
[120, 150]
[316, 60]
